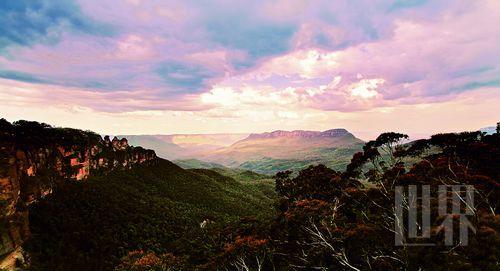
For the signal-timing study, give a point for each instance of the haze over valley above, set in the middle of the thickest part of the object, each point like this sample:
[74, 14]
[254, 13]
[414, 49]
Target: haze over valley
[265, 153]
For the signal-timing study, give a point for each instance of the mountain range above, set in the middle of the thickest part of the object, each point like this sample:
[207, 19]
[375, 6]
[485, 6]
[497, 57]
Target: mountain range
[184, 146]
[265, 153]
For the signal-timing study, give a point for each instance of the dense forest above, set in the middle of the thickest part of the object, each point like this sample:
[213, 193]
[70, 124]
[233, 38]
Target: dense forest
[160, 209]
[163, 217]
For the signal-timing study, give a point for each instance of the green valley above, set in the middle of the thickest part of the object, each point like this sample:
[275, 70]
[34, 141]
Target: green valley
[91, 225]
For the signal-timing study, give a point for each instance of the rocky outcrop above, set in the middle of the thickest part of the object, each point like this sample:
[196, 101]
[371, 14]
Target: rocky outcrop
[35, 158]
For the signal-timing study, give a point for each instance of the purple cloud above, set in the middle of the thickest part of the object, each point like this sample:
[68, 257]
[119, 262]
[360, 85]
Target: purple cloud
[341, 55]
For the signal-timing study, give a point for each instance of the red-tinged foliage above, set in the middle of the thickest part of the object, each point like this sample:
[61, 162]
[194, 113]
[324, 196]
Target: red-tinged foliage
[303, 209]
[138, 260]
[314, 182]
[246, 242]
[328, 220]
[339, 225]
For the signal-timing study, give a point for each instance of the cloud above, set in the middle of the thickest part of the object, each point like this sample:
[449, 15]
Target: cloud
[366, 88]
[282, 56]
[421, 62]
[25, 95]
[151, 47]
[182, 77]
[25, 22]
[20, 76]
[304, 63]
[402, 4]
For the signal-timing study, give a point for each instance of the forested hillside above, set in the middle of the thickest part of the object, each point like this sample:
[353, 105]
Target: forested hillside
[331, 220]
[161, 209]
[36, 158]
[155, 215]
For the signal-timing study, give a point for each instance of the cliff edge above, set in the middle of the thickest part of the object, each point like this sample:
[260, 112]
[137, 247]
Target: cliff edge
[35, 158]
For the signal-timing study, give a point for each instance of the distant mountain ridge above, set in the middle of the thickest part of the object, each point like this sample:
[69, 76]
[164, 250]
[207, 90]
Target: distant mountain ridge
[184, 146]
[271, 152]
[301, 133]
[265, 153]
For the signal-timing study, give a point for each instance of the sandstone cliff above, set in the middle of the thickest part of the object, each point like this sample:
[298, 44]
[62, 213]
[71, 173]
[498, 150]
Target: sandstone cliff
[36, 158]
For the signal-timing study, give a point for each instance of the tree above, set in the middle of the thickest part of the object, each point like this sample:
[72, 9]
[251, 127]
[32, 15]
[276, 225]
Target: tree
[327, 220]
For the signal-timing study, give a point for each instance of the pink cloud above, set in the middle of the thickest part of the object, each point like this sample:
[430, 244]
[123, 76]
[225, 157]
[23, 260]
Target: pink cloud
[419, 62]
[27, 94]
[429, 53]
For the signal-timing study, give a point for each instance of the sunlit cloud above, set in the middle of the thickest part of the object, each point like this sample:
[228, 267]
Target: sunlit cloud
[276, 61]
[366, 88]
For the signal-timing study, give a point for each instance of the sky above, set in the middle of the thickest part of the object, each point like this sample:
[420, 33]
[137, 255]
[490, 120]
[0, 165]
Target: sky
[221, 66]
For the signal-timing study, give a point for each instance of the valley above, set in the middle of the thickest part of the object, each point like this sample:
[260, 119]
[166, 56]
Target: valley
[73, 200]
[184, 146]
[265, 153]
[220, 135]
[159, 208]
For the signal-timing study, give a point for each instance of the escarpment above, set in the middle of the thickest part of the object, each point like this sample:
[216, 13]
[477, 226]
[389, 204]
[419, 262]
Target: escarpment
[36, 158]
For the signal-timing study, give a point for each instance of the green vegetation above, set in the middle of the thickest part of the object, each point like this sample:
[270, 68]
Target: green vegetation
[32, 134]
[328, 220]
[258, 184]
[90, 226]
[163, 217]
[270, 153]
[269, 165]
[334, 158]
[266, 155]
[241, 174]
[248, 178]
[195, 163]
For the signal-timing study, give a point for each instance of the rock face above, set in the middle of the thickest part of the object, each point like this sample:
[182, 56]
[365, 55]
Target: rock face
[35, 158]
[281, 150]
